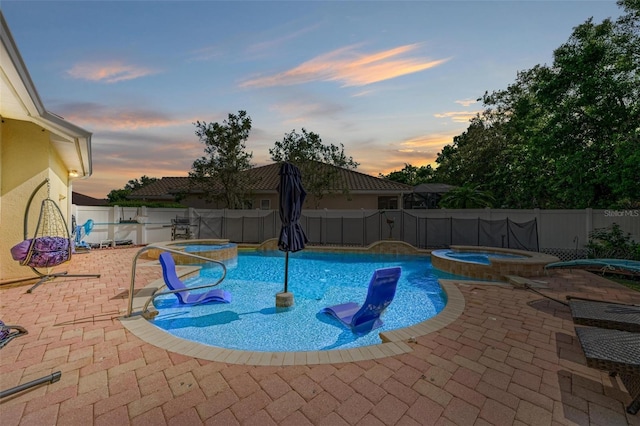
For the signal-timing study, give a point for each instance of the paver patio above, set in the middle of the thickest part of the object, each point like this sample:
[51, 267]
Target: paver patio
[511, 357]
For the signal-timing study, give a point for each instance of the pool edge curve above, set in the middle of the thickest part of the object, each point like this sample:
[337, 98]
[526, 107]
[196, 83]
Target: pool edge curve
[394, 342]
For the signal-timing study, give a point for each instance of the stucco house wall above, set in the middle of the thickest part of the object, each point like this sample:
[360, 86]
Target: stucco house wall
[35, 145]
[27, 159]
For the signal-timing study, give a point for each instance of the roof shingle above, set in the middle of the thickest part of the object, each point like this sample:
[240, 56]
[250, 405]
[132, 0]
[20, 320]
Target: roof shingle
[266, 178]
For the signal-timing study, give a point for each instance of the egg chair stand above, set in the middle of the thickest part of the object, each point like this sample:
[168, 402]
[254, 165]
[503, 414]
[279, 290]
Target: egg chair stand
[51, 244]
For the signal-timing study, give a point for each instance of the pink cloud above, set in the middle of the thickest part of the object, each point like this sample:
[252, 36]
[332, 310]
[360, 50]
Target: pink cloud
[350, 67]
[467, 102]
[97, 117]
[111, 72]
[458, 116]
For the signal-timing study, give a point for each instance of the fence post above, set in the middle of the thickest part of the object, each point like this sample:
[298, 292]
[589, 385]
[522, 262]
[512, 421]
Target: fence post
[364, 229]
[588, 221]
[223, 225]
[260, 229]
[323, 228]
[142, 228]
[537, 216]
[111, 233]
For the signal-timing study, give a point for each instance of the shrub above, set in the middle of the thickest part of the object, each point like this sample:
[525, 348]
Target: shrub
[613, 244]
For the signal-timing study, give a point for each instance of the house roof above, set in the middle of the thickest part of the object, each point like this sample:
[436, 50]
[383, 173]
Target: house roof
[267, 179]
[85, 200]
[19, 100]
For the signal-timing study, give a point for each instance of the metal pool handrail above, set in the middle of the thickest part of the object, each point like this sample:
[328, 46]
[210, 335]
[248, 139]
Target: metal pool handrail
[182, 253]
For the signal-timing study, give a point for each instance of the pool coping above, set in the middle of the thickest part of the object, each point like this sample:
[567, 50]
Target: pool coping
[530, 264]
[394, 342]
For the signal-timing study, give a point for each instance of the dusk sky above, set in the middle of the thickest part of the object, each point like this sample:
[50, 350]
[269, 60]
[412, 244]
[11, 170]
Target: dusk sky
[393, 81]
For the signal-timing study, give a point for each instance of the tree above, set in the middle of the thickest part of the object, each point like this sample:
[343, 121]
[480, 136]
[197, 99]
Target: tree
[564, 135]
[411, 175]
[318, 163]
[220, 173]
[466, 197]
[120, 195]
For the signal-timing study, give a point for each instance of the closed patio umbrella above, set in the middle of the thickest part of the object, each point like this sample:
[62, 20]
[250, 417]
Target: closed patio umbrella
[292, 195]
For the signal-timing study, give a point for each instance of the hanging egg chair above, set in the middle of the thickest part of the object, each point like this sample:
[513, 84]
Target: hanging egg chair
[50, 245]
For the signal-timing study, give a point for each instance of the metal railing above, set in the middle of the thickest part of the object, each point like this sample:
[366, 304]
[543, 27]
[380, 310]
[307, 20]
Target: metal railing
[154, 295]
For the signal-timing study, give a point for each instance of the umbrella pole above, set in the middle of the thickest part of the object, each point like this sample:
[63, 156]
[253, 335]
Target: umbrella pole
[285, 299]
[286, 271]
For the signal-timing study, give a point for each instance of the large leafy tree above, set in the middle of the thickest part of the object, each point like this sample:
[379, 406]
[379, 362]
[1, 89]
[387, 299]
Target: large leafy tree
[119, 195]
[318, 163]
[411, 175]
[220, 173]
[564, 135]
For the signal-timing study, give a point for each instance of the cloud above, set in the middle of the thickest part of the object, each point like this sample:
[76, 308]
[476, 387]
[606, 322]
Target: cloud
[350, 67]
[389, 160]
[120, 157]
[458, 116]
[206, 53]
[269, 45]
[377, 157]
[430, 144]
[362, 93]
[230, 47]
[304, 111]
[108, 72]
[467, 102]
[117, 118]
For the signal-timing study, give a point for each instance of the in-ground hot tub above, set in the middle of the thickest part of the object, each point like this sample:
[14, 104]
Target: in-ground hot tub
[216, 249]
[490, 263]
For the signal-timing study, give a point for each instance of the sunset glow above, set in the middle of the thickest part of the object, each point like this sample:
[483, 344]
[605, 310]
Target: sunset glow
[393, 82]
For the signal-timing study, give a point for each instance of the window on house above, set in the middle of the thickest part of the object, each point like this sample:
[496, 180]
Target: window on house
[387, 203]
[265, 204]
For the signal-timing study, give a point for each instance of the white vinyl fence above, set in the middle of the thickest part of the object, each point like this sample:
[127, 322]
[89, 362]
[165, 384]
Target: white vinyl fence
[551, 231]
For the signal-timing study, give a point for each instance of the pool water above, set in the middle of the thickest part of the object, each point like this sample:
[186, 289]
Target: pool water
[317, 280]
[477, 257]
[205, 247]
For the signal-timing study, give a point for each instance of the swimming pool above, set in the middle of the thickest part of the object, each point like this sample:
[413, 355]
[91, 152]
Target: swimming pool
[490, 263]
[251, 321]
[481, 257]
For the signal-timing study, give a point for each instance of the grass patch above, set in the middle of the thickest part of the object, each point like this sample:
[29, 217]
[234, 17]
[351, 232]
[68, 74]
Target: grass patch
[627, 282]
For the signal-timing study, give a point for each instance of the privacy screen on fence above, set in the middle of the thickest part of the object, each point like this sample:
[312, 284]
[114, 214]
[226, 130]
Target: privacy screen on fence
[332, 228]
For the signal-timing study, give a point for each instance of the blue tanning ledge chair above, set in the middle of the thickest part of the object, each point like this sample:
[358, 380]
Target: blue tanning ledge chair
[363, 319]
[185, 297]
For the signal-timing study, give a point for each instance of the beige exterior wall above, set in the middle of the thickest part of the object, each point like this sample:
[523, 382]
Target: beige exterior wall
[26, 159]
[343, 202]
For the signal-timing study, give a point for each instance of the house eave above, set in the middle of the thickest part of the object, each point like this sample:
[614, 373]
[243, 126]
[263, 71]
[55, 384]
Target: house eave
[19, 100]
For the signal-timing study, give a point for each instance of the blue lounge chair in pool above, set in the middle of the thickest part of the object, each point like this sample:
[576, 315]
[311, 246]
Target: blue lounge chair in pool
[363, 319]
[185, 297]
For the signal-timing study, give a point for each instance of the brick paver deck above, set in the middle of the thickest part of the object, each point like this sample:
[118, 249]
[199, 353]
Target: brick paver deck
[511, 357]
